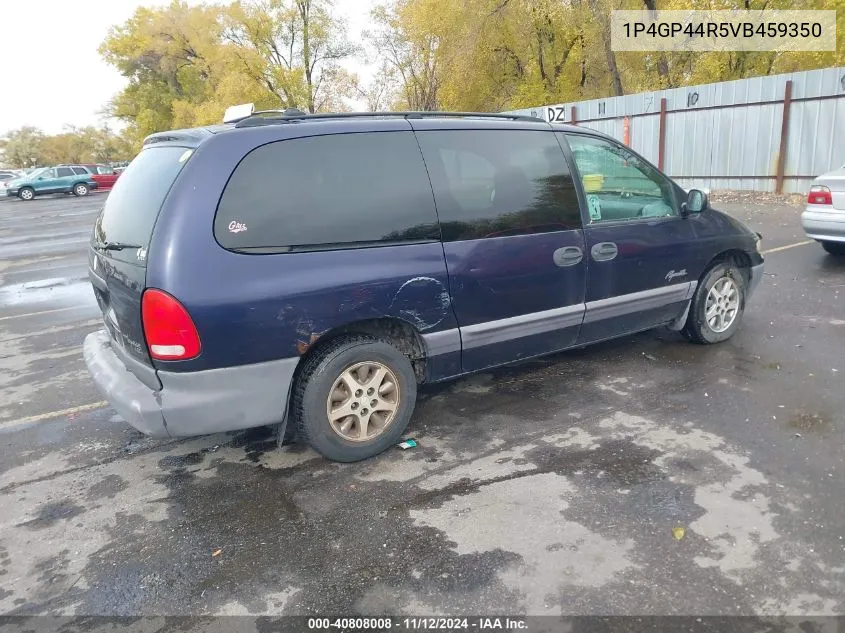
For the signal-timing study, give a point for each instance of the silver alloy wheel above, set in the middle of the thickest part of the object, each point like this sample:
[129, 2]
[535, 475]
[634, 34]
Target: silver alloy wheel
[81, 190]
[27, 194]
[722, 305]
[363, 401]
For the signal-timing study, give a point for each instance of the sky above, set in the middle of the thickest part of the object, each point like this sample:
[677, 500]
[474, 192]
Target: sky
[69, 83]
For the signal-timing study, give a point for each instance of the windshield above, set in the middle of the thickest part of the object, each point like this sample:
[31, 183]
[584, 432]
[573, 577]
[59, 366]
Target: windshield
[132, 207]
[37, 172]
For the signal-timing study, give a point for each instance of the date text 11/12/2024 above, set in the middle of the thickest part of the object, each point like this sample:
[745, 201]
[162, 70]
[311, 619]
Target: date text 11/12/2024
[418, 624]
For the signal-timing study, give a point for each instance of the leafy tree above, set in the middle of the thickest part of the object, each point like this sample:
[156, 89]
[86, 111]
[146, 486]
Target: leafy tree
[293, 49]
[173, 60]
[24, 147]
[29, 146]
[407, 38]
[187, 64]
[503, 54]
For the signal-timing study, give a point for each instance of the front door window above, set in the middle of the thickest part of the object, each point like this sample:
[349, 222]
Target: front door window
[618, 184]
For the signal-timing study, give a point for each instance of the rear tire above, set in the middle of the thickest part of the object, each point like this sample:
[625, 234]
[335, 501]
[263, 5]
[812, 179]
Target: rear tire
[717, 306]
[80, 189]
[834, 248]
[356, 375]
[27, 193]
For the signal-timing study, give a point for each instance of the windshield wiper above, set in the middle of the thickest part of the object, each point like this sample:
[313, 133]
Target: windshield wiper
[115, 246]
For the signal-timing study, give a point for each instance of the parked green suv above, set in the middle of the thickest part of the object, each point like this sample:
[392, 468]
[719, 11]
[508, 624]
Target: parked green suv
[70, 179]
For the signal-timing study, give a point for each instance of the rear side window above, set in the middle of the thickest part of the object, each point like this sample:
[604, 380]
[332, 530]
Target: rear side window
[64, 172]
[132, 207]
[494, 183]
[80, 171]
[328, 191]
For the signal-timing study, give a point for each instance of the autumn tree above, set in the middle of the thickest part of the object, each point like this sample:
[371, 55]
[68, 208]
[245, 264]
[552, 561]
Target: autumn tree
[23, 147]
[29, 146]
[171, 58]
[506, 54]
[406, 37]
[293, 49]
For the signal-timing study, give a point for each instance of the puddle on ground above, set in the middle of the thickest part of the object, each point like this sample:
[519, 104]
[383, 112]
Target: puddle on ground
[57, 289]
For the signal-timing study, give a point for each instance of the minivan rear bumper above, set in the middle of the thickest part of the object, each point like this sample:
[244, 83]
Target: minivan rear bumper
[191, 403]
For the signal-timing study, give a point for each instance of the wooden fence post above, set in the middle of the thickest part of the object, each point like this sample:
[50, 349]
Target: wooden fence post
[661, 138]
[574, 117]
[784, 137]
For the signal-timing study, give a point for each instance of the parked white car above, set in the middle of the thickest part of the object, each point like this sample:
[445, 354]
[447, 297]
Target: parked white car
[5, 176]
[824, 218]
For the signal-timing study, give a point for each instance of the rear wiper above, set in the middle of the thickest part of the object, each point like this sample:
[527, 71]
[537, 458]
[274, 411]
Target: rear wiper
[115, 246]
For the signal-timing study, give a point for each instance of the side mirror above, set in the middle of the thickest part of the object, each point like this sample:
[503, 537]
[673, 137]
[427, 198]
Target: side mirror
[696, 201]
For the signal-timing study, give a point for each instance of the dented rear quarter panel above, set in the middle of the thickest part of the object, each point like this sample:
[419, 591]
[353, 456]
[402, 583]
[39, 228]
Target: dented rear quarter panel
[255, 308]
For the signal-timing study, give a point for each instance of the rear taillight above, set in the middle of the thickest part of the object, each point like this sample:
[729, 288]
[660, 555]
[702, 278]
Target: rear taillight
[819, 195]
[168, 328]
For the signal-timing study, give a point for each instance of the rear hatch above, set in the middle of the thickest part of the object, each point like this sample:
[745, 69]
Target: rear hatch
[118, 255]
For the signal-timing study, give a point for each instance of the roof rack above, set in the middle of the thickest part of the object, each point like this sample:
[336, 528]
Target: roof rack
[292, 115]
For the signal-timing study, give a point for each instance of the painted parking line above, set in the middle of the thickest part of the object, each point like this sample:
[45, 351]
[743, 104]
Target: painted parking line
[54, 414]
[783, 248]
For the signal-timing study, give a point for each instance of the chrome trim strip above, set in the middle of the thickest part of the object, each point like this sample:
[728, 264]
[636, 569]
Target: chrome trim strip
[637, 301]
[522, 325]
[491, 332]
[443, 342]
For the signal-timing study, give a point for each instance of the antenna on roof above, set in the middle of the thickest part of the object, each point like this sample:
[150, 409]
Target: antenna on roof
[237, 112]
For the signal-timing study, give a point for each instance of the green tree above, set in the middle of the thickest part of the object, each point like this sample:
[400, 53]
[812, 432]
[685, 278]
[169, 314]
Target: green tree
[407, 39]
[24, 147]
[293, 49]
[29, 146]
[173, 60]
[504, 54]
[186, 64]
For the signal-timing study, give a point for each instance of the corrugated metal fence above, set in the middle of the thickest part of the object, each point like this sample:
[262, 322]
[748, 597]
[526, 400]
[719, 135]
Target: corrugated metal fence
[772, 133]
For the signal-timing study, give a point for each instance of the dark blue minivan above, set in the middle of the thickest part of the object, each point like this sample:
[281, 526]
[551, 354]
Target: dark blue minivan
[317, 268]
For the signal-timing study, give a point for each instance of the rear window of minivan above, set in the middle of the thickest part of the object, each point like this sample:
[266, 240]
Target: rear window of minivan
[324, 192]
[133, 205]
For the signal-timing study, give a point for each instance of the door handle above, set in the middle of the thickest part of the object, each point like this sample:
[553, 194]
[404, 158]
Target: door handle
[568, 256]
[604, 251]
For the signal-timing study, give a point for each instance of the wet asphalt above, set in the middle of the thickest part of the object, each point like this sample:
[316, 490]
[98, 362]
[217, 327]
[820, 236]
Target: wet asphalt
[642, 476]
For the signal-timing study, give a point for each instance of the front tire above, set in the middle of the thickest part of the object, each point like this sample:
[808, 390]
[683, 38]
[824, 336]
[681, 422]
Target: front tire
[834, 248]
[27, 193]
[80, 189]
[717, 306]
[354, 398]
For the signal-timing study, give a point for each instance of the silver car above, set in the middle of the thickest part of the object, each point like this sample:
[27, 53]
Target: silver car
[824, 218]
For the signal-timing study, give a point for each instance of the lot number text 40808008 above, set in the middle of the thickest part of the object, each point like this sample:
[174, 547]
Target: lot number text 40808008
[418, 624]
